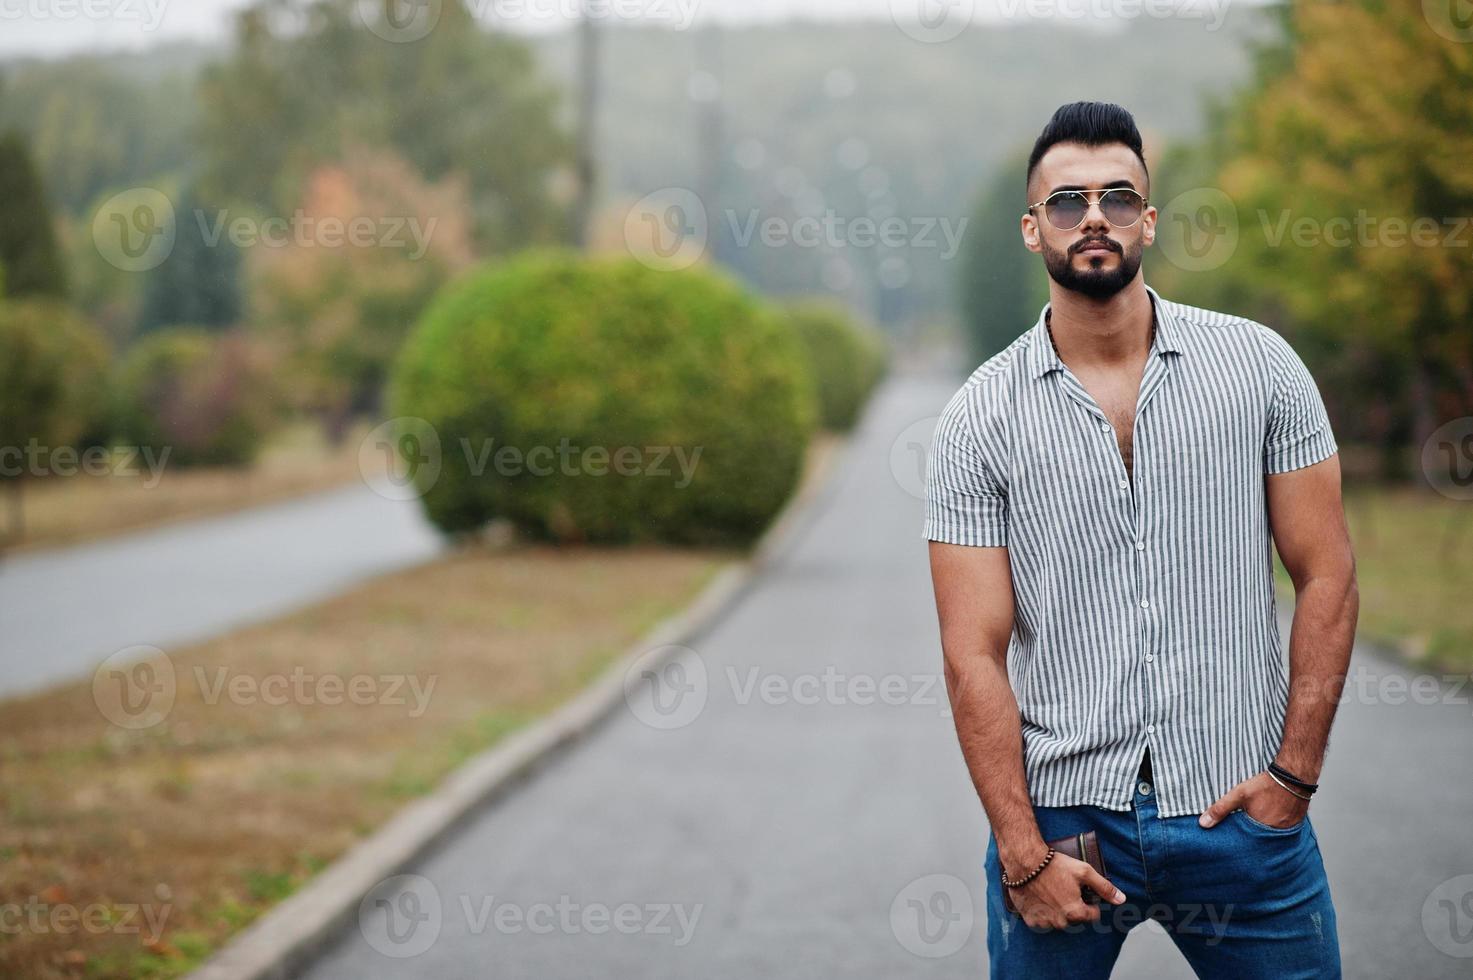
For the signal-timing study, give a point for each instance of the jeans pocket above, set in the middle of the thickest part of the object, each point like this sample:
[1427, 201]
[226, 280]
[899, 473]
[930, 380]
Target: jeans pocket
[1259, 826]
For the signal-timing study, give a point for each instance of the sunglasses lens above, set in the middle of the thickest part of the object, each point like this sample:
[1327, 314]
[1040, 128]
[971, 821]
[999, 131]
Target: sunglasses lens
[1121, 207]
[1067, 210]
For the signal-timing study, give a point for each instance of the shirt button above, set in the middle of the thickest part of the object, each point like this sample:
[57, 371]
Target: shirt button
[1140, 546]
[1150, 658]
[1104, 426]
[1145, 603]
[1123, 484]
[1151, 729]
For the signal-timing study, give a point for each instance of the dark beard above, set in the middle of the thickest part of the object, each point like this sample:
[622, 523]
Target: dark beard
[1094, 283]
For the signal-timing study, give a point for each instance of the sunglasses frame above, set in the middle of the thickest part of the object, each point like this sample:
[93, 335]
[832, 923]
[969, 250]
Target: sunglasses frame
[1102, 191]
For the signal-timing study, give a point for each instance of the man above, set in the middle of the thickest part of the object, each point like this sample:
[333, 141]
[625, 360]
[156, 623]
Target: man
[1100, 500]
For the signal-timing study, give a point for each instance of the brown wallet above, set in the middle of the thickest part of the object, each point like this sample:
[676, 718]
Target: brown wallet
[1083, 847]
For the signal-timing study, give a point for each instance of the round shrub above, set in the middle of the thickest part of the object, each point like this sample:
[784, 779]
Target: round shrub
[847, 360]
[203, 395]
[597, 399]
[52, 367]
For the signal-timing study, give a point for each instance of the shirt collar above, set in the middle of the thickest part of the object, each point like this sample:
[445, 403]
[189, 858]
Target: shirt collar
[1044, 359]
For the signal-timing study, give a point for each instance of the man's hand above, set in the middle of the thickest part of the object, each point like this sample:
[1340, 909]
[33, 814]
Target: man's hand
[1055, 899]
[1262, 799]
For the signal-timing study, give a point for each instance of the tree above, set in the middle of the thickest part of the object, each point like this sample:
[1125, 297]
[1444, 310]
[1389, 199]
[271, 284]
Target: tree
[1003, 285]
[1349, 171]
[338, 312]
[28, 248]
[199, 283]
[52, 367]
[459, 98]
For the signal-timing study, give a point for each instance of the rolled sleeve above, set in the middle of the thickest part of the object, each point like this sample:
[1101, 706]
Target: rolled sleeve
[1298, 431]
[964, 504]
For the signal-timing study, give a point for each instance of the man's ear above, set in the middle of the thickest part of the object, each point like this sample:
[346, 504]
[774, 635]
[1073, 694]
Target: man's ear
[1030, 232]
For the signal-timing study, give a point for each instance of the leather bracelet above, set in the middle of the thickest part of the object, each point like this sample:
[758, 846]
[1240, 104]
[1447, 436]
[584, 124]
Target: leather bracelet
[1291, 790]
[1030, 875]
[1274, 767]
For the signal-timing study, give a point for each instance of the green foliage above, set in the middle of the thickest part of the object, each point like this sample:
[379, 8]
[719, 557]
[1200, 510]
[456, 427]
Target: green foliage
[52, 366]
[582, 357]
[99, 122]
[459, 99]
[28, 247]
[847, 360]
[1332, 160]
[342, 311]
[1003, 285]
[199, 283]
[204, 396]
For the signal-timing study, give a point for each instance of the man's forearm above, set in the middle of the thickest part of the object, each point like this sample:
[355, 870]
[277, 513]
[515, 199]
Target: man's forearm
[989, 728]
[1320, 642]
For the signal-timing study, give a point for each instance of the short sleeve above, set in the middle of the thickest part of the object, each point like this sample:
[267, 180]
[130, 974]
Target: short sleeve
[964, 503]
[1298, 430]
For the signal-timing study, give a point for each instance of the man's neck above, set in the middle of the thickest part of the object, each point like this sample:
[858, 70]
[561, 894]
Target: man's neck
[1110, 333]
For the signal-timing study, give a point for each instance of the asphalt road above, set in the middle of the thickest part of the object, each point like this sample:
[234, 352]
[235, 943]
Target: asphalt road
[796, 805]
[62, 612]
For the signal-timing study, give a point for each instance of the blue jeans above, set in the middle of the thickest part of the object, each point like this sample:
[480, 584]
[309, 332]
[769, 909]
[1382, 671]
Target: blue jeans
[1240, 899]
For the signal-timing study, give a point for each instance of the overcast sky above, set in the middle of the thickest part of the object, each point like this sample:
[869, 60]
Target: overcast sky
[54, 27]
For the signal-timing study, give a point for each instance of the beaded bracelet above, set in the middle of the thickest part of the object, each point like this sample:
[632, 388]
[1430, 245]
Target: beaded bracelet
[1031, 875]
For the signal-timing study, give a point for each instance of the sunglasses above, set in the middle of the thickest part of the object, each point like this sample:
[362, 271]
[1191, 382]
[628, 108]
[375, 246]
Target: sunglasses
[1121, 206]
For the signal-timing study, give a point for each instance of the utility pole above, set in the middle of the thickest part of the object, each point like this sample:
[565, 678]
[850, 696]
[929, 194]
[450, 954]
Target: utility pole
[587, 125]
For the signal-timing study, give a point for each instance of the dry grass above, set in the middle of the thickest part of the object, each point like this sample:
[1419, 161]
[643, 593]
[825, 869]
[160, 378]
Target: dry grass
[221, 809]
[1414, 566]
[161, 842]
[69, 509]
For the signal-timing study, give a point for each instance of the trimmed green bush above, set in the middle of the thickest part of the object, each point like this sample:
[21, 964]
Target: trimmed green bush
[847, 360]
[538, 373]
[52, 367]
[203, 394]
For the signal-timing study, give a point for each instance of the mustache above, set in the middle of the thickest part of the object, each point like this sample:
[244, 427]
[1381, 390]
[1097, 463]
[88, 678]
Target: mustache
[1086, 243]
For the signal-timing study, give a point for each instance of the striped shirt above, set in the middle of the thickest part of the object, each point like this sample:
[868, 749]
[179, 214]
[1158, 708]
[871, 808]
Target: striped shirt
[1144, 602]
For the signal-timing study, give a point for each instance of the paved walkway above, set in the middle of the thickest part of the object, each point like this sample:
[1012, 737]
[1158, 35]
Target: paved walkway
[64, 611]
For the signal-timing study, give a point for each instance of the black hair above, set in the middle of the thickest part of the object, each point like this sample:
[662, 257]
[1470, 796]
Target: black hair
[1089, 123]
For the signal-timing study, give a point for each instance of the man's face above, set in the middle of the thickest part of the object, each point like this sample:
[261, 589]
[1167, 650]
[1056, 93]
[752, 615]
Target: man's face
[1102, 271]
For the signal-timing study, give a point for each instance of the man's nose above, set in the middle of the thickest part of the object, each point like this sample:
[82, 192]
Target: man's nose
[1094, 215]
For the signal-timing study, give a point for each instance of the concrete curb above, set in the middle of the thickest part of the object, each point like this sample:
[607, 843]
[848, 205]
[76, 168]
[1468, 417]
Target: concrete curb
[286, 939]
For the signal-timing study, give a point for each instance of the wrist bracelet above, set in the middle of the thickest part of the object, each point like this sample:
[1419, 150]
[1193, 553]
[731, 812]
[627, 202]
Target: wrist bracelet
[1030, 875]
[1275, 777]
[1274, 767]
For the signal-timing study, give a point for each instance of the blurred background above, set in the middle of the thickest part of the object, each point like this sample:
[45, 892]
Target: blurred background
[374, 373]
